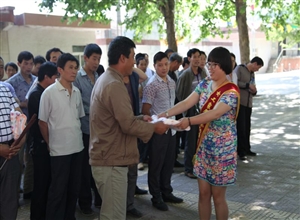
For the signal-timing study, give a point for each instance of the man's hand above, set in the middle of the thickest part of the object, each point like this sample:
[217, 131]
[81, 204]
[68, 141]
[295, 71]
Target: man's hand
[16, 148]
[23, 104]
[252, 89]
[160, 127]
[5, 151]
[147, 118]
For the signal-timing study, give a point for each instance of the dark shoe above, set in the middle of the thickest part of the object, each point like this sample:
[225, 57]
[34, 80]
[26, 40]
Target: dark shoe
[27, 195]
[98, 205]
[190, 175]
[160, 205]
[98, 202]
[242, 157]
[250, 153]
[171, 198]
[178, 164]
[135, 213]
[139, 191]
[87, 212]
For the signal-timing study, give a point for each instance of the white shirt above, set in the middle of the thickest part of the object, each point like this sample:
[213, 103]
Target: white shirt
[149, 72]
[233, 78]
[31, 88]
[62, 113]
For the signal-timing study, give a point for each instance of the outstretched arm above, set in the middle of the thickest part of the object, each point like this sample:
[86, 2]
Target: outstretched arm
[182, 106]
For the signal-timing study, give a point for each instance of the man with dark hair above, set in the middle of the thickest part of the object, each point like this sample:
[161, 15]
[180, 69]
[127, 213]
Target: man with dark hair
[185, 65]
[9, 86]
[10, 171]
[159, 96]
[11, 69]
[37, 62]
[22, 81]
[175, 60]
[114, 130]
[59, 120]
[186, 84]
[53, 54]
[149, 72]
[39, 148]
[246, 83]
[85, 81]
[169, 51]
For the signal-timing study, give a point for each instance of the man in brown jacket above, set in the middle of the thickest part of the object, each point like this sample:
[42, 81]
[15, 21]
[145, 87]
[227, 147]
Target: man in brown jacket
[114, 130]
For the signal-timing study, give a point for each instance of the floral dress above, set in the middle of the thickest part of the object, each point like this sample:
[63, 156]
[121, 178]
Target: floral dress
[216, 160]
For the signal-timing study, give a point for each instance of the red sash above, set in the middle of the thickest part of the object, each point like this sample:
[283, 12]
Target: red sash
[210, 104]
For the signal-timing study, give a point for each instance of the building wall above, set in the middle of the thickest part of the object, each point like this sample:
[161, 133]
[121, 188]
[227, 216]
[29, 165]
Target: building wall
[39, 39]
[4, 48]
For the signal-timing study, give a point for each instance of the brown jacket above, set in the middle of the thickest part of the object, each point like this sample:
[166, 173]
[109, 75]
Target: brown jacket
[113, 127]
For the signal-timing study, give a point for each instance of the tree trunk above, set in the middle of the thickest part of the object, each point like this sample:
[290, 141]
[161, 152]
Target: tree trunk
[241, 19]
[168, 12]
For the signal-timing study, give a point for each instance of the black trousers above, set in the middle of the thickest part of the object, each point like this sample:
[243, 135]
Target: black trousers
[132, 178]
[41, 180]
[179, 135]
[161, 162]
[9, 196]
[87, 180]
[65, 186]
[143, 150]
[191, 143]
[243, 130]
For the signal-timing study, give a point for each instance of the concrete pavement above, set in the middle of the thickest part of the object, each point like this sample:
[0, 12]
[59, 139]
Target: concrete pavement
[268, 185]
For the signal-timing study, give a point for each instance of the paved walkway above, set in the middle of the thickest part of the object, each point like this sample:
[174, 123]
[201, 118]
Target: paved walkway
[268, 185]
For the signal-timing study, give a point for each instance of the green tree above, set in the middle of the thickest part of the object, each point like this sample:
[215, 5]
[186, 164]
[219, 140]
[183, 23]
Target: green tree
[140, 15]
[176, 19]
[281, 20]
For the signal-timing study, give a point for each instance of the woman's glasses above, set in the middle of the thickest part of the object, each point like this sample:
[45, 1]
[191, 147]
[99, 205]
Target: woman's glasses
[211, 65]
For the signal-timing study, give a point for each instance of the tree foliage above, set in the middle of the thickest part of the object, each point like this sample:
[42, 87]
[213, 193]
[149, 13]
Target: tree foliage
[280, 20]
[187, 19]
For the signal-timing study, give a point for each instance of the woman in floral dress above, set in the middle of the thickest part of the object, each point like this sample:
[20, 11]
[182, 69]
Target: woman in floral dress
[215, 159]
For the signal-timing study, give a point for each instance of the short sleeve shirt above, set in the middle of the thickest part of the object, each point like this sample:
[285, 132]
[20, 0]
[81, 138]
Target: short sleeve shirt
[7, 103]
[159, 94]
[62, 112]
[21, 87]
[85, 86]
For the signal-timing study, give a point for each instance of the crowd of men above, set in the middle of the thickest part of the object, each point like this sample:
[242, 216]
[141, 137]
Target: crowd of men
[93, 131]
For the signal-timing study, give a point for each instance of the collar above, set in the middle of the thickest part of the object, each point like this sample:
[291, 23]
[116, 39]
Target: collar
[83, 73]
[19, 75]
[40, 87]
[161, 80]
[60, 87]
[116, 73]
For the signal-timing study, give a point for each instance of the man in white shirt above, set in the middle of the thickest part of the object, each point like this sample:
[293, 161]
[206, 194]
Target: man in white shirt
[59, 119]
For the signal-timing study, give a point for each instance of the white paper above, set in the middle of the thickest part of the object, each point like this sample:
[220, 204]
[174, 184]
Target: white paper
[169, 121]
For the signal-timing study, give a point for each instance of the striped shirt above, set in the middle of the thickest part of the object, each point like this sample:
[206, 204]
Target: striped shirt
[7, 103]
[159, 94]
